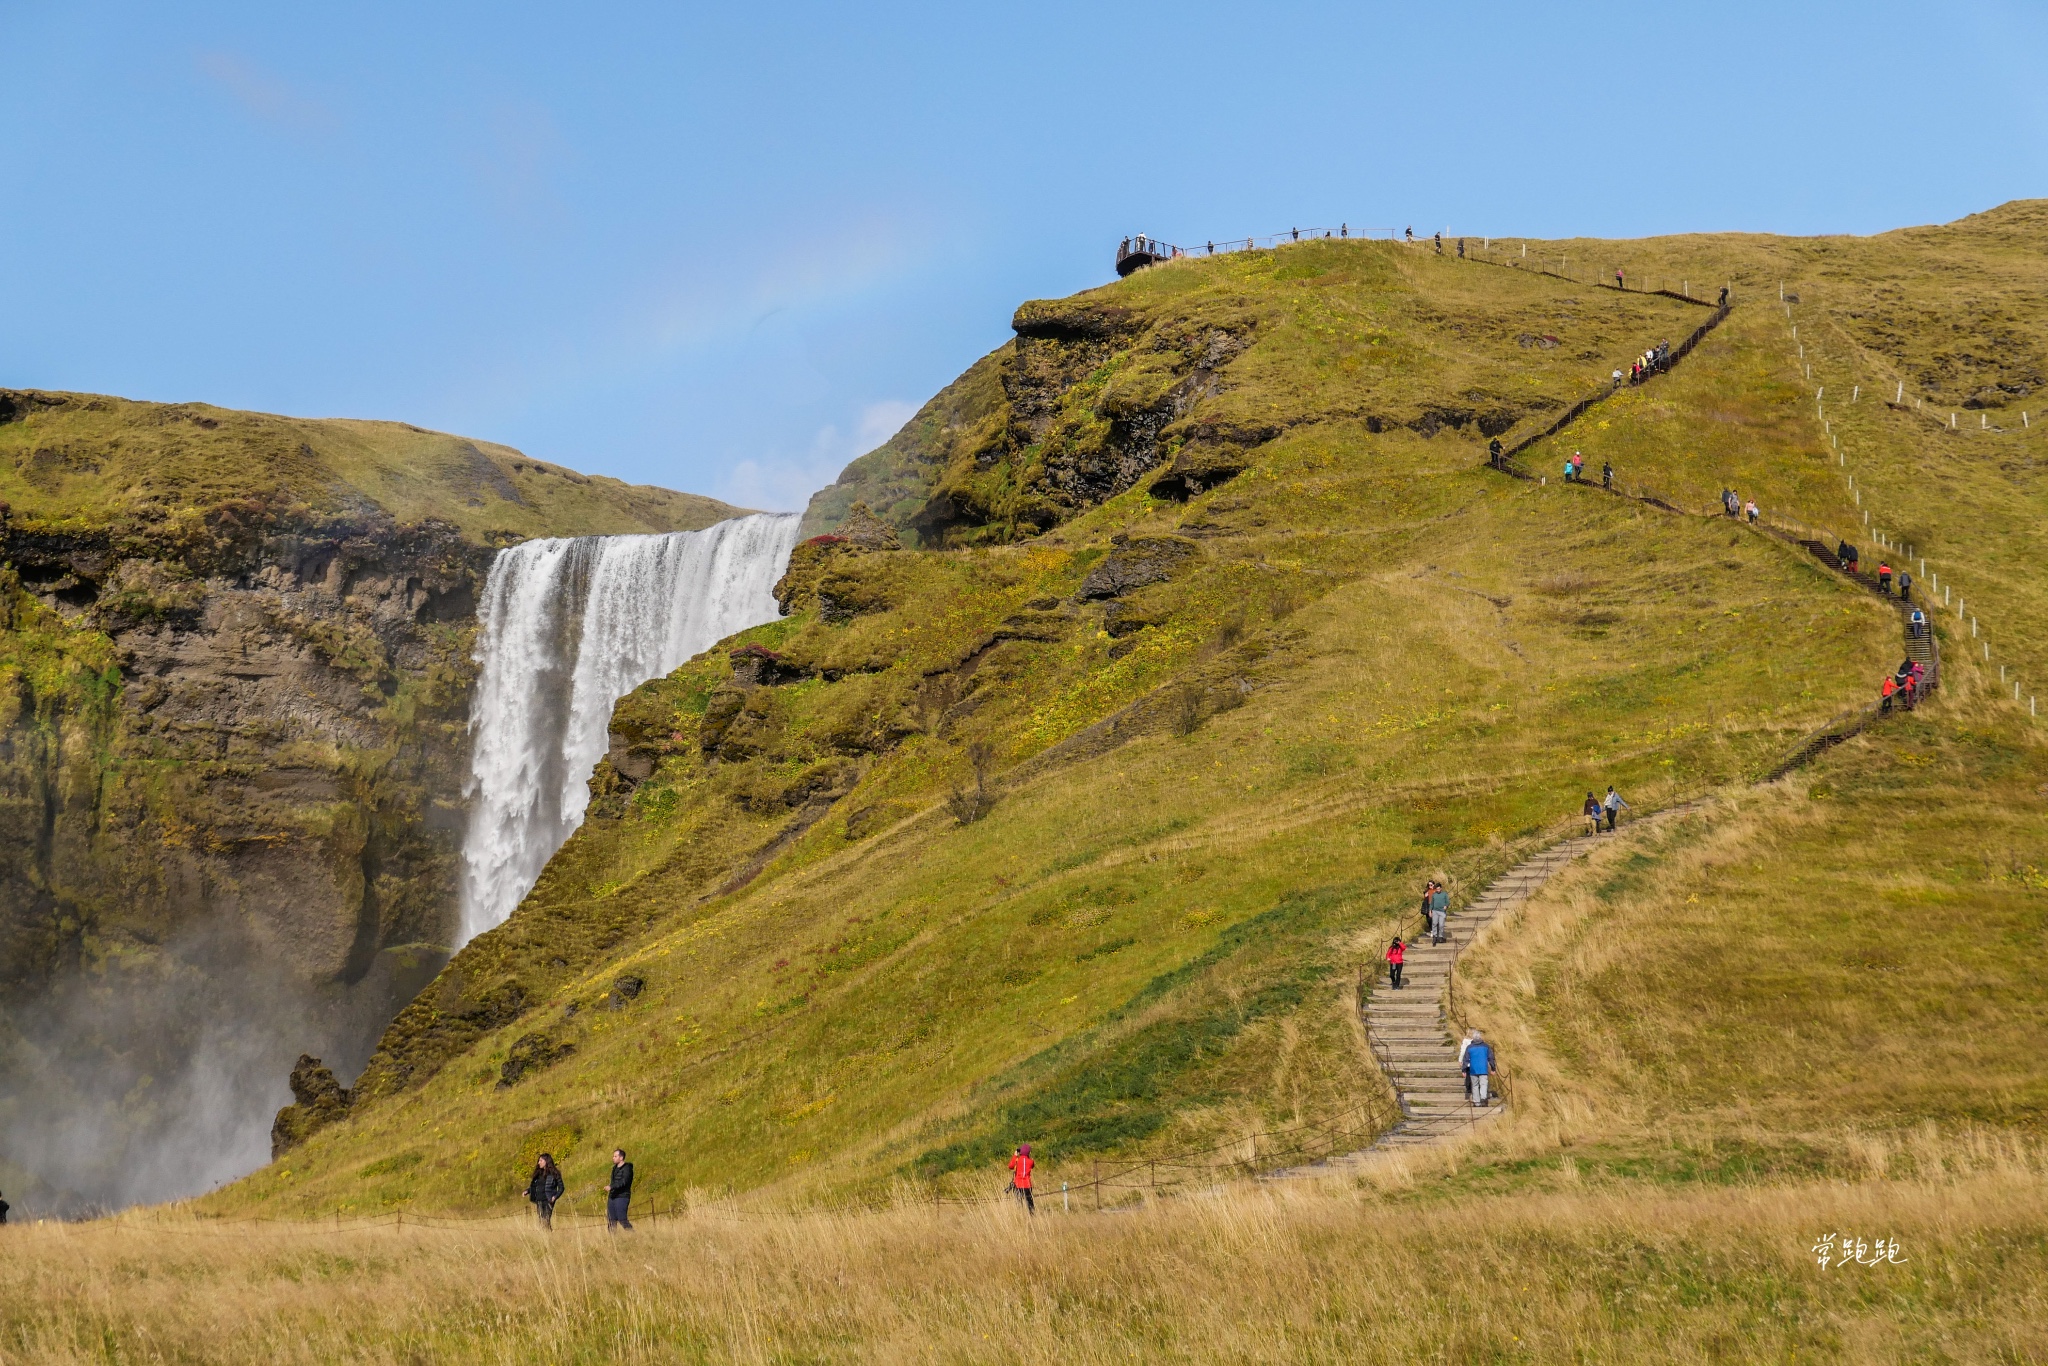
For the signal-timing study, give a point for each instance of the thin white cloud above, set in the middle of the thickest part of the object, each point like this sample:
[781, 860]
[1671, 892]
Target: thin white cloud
[779, 483]
[268, 98]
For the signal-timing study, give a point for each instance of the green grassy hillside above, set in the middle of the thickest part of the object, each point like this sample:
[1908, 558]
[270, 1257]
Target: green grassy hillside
[80, 461]
[1081, 837]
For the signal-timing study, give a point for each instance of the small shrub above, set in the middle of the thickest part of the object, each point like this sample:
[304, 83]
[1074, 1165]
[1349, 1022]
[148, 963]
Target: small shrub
[970, 803]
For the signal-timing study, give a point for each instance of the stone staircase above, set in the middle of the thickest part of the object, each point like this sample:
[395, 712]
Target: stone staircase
[1411, 1030]
[1409, 1027]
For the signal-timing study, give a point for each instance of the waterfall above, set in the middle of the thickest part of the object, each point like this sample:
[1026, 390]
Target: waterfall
[568, 627]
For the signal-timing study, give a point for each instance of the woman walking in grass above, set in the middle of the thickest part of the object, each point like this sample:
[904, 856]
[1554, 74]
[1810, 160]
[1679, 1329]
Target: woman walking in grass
[1397, 954]
[545, 1189]
[1020, 1177]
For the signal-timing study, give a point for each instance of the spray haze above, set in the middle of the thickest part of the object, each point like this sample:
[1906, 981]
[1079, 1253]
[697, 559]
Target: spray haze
[156, 1074]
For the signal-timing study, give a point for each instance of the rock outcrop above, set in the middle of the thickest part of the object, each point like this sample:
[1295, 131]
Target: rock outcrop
[318, 1101]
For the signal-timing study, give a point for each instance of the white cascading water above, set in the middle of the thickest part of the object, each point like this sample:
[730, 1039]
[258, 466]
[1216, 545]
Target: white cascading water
[569, 626]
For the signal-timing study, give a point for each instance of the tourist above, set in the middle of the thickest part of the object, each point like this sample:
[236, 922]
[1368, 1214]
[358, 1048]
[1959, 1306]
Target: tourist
[1461, 248]
[1411, 232]
[1439, 244]
[1905, 585]
[1884, 693]
[1617, 281]
[1020, 1177]
[1607, 474]
[1397, 954]
[1723, 303]
[1439, 910]
[619, 1193]
[1494, 451]
[1592, 810]
[1749, 510]
[1916, 625]
[1478, 1066]
[1464, 1049]
[1884, 577]
[1615, 805]
[545, 1189]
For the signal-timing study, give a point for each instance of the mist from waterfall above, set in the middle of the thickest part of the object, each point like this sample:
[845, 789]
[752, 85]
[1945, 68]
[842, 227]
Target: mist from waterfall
[567, 628]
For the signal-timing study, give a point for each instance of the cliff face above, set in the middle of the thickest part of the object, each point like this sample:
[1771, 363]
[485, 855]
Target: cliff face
[232, 754]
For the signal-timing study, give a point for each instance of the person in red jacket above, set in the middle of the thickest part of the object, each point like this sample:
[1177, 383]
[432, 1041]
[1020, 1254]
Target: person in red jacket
[1885, 692]
[1397, 954]
[1020, 1176]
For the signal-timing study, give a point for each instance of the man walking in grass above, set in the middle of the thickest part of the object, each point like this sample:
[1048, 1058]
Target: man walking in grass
[619, 1193]
[1614, 806]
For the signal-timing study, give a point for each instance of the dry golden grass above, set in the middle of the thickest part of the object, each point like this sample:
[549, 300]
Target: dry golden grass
[1370, 1270]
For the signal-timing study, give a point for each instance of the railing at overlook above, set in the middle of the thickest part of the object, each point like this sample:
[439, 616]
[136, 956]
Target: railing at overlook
[1141, 250]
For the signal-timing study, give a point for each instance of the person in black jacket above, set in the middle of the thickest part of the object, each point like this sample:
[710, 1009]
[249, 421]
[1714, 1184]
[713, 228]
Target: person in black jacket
[545, 1189]
[619, 1193]
[4, 1207]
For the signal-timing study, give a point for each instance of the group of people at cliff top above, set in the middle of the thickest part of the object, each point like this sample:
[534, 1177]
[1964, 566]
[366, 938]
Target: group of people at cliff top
[546, 1188]
[1575, 470]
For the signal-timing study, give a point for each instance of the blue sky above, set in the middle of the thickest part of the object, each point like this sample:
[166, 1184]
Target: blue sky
[727, 248]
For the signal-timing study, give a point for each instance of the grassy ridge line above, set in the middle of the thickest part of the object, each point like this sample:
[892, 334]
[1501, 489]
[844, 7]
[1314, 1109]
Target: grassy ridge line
[76, 462]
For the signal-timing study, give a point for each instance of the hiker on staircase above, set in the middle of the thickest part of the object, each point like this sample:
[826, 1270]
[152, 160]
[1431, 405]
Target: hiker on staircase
[1607, 474]
[1845, 555]
[1439, 911]
[1905, 585]
[1885, 693]
[1476, 1058]
[1592, 812]
[1884, 577]
[1397, 954]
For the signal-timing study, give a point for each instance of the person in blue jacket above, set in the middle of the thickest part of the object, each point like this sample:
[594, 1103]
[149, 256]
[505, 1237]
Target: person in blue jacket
[1478, 1066]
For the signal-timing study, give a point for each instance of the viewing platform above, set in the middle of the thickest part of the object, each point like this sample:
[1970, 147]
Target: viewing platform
[1135, 252]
